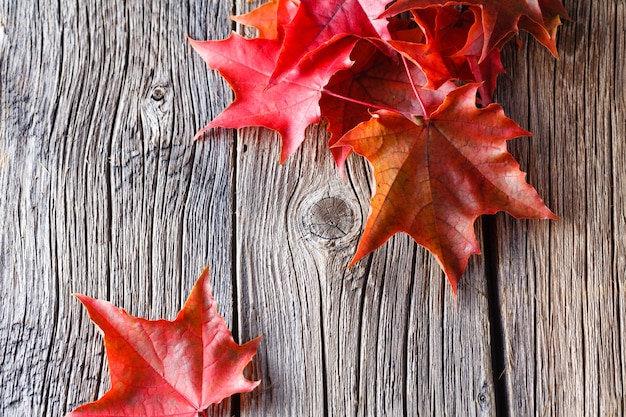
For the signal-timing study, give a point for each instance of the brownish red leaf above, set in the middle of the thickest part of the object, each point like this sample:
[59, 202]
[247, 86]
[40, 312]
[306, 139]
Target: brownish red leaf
[375, 82]
[501, 18]
[435, 176]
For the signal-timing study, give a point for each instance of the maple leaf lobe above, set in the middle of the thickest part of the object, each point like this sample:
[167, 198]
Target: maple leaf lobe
[502, 18]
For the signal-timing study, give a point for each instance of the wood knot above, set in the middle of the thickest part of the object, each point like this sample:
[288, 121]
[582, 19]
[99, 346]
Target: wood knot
[158, 93]
[483, 397]
[330, 221]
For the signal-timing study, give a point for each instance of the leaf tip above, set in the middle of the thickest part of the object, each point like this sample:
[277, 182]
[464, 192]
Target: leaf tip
[81, 297]
[552, 216]
[356, 258]
[453, 276]
[201, 132]
[195, 44]
[454, 285]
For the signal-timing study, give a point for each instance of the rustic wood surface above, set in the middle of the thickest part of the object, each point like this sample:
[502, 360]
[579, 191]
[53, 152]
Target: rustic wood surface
[104, 192]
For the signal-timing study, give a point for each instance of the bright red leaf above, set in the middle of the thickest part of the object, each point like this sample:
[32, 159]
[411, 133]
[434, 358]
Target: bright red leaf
[169, 368]
[431, 63]
[317, 24]
[435, 176]
[289, 106]
[457, 36]
[373, 9]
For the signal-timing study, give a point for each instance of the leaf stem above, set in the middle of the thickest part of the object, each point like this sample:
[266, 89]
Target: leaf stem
[419, 99]
[352, 100]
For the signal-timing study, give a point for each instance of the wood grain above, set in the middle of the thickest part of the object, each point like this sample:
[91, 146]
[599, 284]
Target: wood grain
[382, 338]
[104, 192]
[385, 337]
[562, 283]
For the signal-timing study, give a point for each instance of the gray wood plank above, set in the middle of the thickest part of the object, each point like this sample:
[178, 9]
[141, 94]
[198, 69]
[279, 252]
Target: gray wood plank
[385, 337]
[108, 195]
[562, 283]
[617, 326]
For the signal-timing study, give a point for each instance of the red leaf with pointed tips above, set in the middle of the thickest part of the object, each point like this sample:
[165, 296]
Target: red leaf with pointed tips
[169, 368]
[288, 107]
[434, 178]
[431, 63]
[457, 36]
[375, 82]
[318, 24]
[501, 18]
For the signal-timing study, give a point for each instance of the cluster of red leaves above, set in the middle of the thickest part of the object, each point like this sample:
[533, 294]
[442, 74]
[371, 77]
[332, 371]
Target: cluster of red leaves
[168, 368]
[409, 86]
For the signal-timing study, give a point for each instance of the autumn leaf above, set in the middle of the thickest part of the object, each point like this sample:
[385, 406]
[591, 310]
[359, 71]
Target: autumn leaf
[289, 106]
[263, 18]
[435, 176]
[501, 18]
[318, 24]
[431, 64]
[458, 37]
[169, 368]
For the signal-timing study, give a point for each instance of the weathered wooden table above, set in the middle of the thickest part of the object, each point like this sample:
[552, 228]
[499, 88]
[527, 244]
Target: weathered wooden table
[104, 192]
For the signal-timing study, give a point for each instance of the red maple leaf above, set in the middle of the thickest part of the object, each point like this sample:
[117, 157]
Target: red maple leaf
[431, 63]
[169, 368]
[457, 35]
[287, 107]
[436, 175]
[318, 24]
[501, 18]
